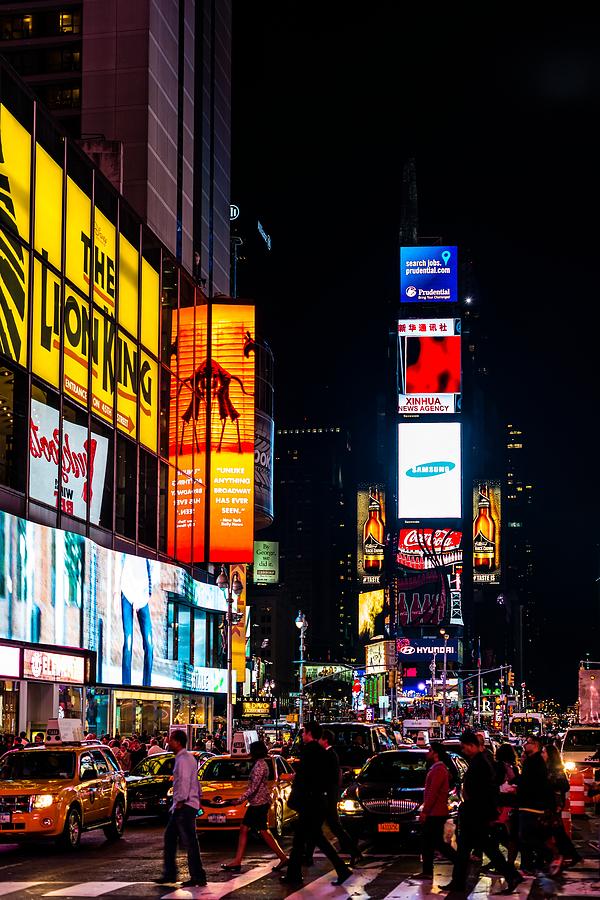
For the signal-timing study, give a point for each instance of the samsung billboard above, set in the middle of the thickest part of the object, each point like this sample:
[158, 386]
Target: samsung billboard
[429, 470]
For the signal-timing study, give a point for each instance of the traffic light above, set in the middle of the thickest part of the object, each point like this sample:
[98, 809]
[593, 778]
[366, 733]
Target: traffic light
[510, 678]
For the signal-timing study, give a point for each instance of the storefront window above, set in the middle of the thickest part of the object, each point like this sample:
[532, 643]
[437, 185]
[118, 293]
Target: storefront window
[143, 717]
[69, 702]
[96, 712]
[189, 710]
[9, 697]
[126, 487]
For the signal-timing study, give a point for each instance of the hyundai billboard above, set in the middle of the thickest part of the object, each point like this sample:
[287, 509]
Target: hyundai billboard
[429, 470]
[428, 275]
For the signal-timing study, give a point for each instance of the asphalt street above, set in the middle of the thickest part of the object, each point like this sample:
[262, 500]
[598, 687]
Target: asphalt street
[126, 869]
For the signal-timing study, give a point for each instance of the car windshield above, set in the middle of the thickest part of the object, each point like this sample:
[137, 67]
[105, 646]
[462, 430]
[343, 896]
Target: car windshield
[37, 765]
[230, 769]
[404, 769]
[155, 765]
[582, 739]
[353, 745]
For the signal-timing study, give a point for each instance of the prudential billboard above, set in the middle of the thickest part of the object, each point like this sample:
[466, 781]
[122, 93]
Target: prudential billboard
[429, 471]
[428, 275]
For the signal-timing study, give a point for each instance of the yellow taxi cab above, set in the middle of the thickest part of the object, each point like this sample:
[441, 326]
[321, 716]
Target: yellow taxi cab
[60, 791]
[225, 778]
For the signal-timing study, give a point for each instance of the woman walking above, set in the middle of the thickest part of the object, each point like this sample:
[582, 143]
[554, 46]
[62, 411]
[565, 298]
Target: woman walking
[258, 795]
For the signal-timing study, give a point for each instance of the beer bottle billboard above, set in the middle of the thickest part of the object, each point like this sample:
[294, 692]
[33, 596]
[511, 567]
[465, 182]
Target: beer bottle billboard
[371, 535]
[486, 532]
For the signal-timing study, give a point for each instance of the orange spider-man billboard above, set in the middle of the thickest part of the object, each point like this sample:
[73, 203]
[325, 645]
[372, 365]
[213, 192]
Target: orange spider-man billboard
[231, 537]
[225, 386]
[430, 366]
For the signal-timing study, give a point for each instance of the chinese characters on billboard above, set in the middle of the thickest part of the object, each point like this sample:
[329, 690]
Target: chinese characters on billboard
[428, 275]
[429, 470]
[429, 366]
[371, 519]
[487, 525]
[428, 583]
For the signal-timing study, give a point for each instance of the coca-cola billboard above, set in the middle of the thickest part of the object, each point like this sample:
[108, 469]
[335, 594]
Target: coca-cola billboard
[428, 583]
[83, 463]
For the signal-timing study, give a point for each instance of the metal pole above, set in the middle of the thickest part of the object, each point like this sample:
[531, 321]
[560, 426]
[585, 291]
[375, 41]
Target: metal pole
[301, 707]
[229, 621]
[479, 697]
[444, 689]
[432, 667]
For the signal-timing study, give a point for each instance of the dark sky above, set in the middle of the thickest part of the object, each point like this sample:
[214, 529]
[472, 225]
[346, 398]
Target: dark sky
[501, 116]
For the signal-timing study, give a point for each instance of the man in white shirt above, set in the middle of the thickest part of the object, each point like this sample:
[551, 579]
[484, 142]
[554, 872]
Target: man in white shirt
[154, 747]
[182, 819]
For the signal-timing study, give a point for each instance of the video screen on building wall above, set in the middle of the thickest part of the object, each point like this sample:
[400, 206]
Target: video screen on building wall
[429, 470]
[56, 586]
[428, 275]
[487, 532]
[429, 352]
[428, 580]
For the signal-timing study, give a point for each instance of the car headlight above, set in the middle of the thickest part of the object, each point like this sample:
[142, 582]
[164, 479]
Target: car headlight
[570, 766]
[349, 806]
[42, 801]
[170, 792]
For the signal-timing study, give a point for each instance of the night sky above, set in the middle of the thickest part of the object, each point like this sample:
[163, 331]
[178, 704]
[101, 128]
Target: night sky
[501, 117]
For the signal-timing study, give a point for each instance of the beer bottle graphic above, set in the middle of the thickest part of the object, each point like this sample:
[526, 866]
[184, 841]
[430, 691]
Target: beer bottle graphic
[484, 533]
[373, 535]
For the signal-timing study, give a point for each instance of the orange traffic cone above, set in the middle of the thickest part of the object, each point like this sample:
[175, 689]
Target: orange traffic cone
[577, 791]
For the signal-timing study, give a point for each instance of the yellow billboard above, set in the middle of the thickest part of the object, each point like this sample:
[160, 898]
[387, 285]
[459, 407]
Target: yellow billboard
[238, 642]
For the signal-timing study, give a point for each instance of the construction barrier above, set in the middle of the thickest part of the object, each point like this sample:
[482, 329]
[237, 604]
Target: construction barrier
[577, 791]
[566, 815]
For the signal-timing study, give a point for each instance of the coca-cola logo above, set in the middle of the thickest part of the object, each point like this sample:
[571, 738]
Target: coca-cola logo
[412, 539]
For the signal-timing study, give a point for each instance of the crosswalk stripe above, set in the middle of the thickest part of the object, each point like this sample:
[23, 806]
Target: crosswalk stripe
[217, 889]
[90, 889]
[355, 886]
[9, 887]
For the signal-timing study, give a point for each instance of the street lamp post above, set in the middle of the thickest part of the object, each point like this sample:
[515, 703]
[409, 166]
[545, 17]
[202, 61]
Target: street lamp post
[232, 590]
[445, 635]
[432, 670]
[302, 624]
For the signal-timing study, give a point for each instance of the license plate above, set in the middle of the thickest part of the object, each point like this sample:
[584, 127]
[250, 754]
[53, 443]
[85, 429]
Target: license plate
[388, 827]
[5, 818]
[217, 820]
[138, 805]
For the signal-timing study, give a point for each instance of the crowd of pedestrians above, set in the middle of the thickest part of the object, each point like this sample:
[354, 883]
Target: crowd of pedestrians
[505, 801]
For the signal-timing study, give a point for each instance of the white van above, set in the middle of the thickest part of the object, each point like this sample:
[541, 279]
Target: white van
[579, 744]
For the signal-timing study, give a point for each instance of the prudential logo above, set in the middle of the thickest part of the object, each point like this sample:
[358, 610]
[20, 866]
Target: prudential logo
[429, 469]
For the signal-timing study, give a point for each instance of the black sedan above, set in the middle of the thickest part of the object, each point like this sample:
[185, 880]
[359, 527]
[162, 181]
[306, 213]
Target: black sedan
[387, 796]
[149, 782]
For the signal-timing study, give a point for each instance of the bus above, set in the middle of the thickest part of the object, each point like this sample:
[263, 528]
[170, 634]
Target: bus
[523, 723]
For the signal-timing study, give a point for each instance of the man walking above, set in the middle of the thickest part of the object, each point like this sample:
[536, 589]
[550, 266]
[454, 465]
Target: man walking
[435, 812]
[309, 799]
[477, 812]
[534, 797]
[332, 819]
[182, 819]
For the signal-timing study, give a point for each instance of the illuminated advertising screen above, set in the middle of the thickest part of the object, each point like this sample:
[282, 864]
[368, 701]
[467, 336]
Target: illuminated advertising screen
[238, 644]
[370, 613]
[266, 562]
[589, 695]
[187, 435]
[428, 275]
[103, 365]
[232, 434]
[487, 528]
[371, 524]
[413, 650]
[149, 622]
[429, 470]
[429, 366]
[83, 463]
[428, 581]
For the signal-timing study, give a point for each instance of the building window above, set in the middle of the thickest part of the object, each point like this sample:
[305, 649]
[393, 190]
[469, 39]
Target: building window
[13, 427]
[126, 487]
[69, 23]
[16, 28]
[147, 499]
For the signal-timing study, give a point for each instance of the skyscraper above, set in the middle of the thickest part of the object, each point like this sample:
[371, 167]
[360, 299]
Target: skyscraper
[145, 85]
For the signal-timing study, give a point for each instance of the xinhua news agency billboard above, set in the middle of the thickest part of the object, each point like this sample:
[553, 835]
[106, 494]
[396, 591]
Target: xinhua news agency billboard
[429, 372]
[429, 470]
[428, 275]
